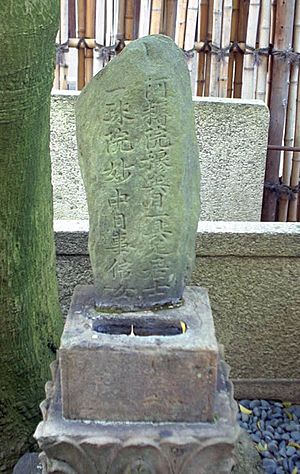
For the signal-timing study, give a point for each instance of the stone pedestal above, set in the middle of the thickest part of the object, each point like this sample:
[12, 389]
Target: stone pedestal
[132, 392]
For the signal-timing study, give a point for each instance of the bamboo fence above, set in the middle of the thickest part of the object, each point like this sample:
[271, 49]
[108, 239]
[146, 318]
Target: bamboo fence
[234, 48]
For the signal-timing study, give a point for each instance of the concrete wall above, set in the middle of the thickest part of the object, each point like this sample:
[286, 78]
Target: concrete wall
[252, 272]
[232, 136]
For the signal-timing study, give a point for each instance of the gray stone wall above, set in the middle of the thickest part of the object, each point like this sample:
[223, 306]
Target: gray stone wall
[232, 138]
[252, 272]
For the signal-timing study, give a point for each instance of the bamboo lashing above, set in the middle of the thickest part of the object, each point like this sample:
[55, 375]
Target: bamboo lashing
[249, 79]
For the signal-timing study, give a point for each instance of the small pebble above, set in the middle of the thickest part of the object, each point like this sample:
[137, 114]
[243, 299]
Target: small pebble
[269, 466]
[290, 450]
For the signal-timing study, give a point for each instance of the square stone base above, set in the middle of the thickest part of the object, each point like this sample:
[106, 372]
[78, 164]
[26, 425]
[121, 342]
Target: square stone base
[158, 374]
[79, 447]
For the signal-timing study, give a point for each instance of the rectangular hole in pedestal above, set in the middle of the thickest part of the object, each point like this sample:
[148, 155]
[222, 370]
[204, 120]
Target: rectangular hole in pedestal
[144, 328]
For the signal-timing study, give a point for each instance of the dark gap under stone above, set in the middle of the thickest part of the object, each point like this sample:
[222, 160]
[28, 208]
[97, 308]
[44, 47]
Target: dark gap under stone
[151, 327]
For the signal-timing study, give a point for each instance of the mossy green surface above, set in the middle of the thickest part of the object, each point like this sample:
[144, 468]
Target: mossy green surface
[29, 311]
[139, 159]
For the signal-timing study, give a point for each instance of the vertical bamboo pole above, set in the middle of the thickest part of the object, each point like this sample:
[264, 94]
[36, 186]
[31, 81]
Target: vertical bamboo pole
[290, 130]
[64, 37]
[81, 52]
[136, 17]
[180, 22]
[226, 32]
[89, 33]
[216, 42]
[145, 13]
[121, 21]
[202, 34]
[72, 18]
[168, 18]
[100, 33]
[209, 39]
[239, 57]
[272, 38]
[249, 72]
[264, 41]
[295, 174]
[129, 19]
[156, 13]
[278, 100]
[189, 40]
[108, 22]
[233, 38]
[115, 23]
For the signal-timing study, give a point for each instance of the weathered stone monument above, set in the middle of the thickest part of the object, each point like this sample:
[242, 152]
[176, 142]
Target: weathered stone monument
[139, 385]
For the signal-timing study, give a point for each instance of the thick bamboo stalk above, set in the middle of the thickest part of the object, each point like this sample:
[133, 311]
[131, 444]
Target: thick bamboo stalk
[109, 23]
[264, 41]
[216, 43]
[226, 32]
[239, 57]
[209, 39]
[64, 34]
[129, 19]
[189, 40]
[290, 120]
[233, 38]
[72, 18]
[116, 12]
[156, 13]
[81, 53]
[180, 22]
[249, 71]
[202, 34]
[295, 174]
[272, 38]
[89, 33]
[279, 97]
[121, 21]
[145, 14]
[99, 34]
[168, 18]
[136, 18]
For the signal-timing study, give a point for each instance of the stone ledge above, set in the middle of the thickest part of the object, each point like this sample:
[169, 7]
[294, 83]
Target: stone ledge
[261, 239]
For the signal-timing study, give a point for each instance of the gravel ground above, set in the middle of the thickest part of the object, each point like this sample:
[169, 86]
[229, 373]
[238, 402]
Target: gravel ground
[274, 427]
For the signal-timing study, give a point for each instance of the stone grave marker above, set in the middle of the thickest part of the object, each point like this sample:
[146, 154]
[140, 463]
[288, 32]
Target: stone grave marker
[140, 384]
[139, 159]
